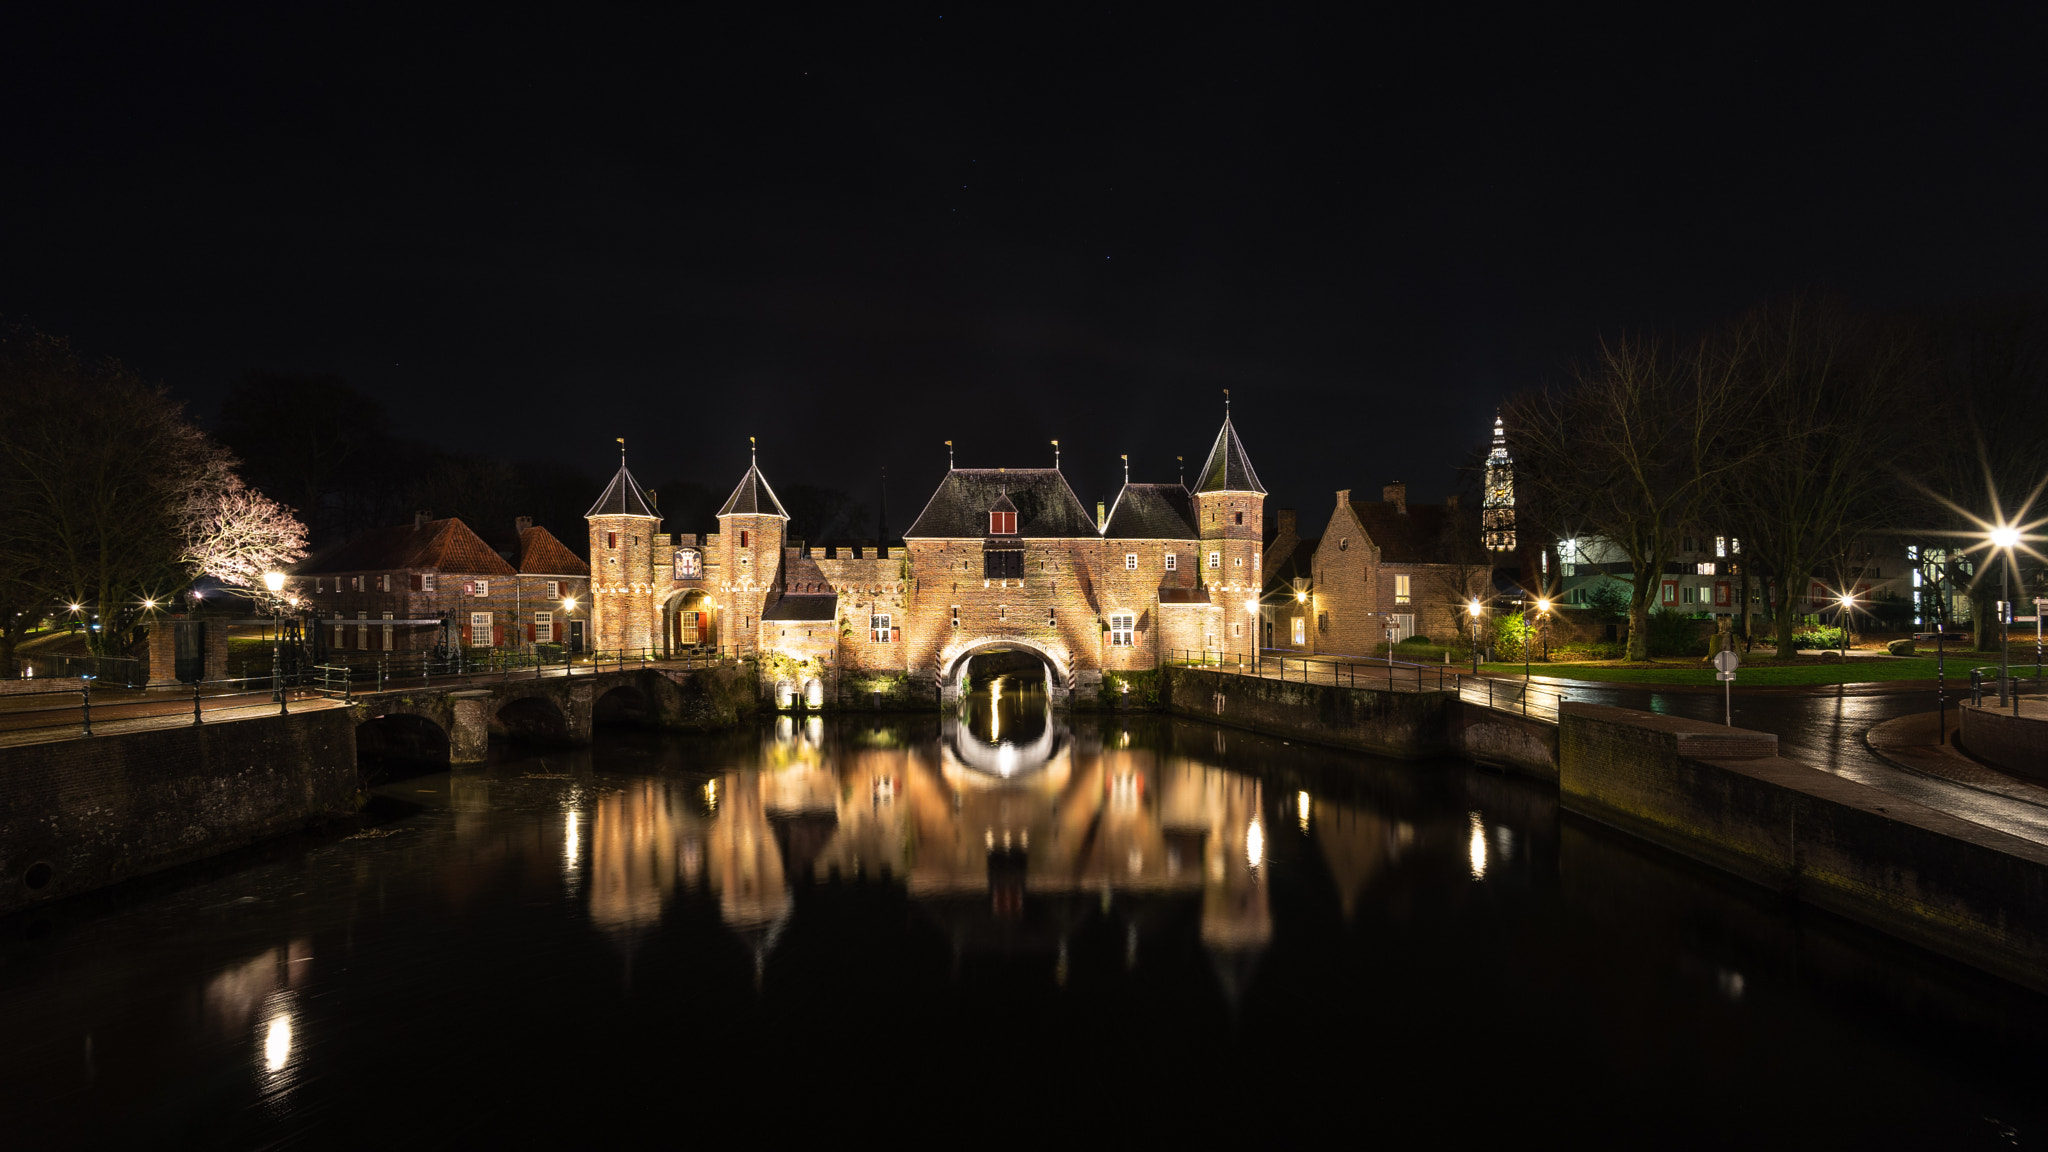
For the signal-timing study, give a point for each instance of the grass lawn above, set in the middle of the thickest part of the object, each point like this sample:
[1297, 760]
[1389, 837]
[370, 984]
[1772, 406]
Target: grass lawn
[1763, 673]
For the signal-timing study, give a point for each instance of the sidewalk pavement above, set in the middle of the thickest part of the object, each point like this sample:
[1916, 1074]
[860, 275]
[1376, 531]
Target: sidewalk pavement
[1914, 743]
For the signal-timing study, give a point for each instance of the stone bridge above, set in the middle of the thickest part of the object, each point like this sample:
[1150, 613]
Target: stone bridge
[557, 709]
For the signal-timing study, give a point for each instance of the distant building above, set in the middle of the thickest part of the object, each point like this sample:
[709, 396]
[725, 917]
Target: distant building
[1497, 507]
[414, 587]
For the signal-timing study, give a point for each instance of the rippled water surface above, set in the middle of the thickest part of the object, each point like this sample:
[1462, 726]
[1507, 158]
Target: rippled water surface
[1002, 927]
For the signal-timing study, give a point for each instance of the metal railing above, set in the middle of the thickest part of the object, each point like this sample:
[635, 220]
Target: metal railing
[1336, 669]
[108, 670]
[240, 693]
[1984, 682]
[1536, 701]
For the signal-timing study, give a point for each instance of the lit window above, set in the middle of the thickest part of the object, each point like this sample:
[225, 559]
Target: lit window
[554, 589]
[1401, 589]
[1300, 630]
[319, 584]
[480, 630]
[1122, 626]
[1720, 546]
[1131, 561]
[1172, 562]
[1735, 546]
[426, 582]
[878, 628]
[1002, 523]
[483, 587]
[1704, 568]
[1215, 559]
[544, 627]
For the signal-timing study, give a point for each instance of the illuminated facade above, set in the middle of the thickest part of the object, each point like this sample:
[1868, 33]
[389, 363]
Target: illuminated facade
[1000, 558]
[1497, 509]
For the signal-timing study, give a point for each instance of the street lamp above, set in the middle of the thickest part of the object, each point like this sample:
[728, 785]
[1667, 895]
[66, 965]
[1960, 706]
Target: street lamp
[275, 582]
[1474, 609]
[2005, 537]
[1542, 614]
[1842, 621]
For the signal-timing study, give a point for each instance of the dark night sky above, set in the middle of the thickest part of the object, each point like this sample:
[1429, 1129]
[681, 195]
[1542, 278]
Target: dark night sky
[859, 235]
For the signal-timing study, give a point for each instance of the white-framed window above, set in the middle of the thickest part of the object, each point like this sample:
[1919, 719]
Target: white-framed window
[1130, 561]
[480, 630]
[483, 587]
[689, 564]
[1173, 562]
[1301, 629]
[554, 589]
[544, 627]
[426, 581]
[878, 628]
[1122, 627]
[1703, 568]
[1215, 559]
[1401, 589]
[1404, 625]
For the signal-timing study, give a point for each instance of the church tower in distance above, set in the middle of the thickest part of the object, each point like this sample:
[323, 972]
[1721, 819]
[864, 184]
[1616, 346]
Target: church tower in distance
[1497, 510]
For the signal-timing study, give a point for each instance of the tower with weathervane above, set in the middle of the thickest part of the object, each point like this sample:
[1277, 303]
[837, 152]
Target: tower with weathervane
[623, 523]
[751, 526]
[1497, 509]
[1230, 513]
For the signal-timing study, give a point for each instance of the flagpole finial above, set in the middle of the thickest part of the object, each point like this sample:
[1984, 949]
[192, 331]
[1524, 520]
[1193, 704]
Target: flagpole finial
[949, 455]
[1055, 455]
[1127, 467]
[1226, 401]
[753, 449]
[622, 450]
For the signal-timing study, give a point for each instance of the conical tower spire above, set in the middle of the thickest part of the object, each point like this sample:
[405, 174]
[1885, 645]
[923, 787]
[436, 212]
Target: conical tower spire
[1228, 468]
[753, 496]
[623, 496]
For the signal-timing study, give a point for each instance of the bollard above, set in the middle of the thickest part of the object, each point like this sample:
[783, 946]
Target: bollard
[87, 706]
[195, 704]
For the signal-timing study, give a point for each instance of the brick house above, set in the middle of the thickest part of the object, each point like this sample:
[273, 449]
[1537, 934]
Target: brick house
[998, 558]
[392, 589]
[1390, 564]
[1285, 616]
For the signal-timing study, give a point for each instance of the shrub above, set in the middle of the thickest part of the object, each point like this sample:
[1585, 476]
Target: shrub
[1511, 635]
[1817, 636]
[1674, 634]
[1416, 641]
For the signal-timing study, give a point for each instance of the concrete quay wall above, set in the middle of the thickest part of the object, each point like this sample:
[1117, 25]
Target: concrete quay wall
[1724, 797]
[85, 813]
[2016, 743]
[1406, 725]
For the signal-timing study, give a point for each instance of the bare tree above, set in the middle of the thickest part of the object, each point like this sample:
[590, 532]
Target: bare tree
[1829, 394]
[235, 534]
[1632, 452]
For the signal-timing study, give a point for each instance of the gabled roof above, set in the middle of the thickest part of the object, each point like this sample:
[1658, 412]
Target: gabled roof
[1412, 537]
[540, 554]
[624, 497]
[436, 546]
[1152, 512]
[1228, 469]
[753, 497]
[1046, 508]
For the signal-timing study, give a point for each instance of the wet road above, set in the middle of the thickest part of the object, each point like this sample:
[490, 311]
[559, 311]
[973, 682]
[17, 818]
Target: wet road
[1825, 729]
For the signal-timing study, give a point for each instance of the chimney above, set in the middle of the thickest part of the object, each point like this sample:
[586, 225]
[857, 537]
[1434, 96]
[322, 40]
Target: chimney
[521, 523]
[1397, 495]
[1101, 517]
[1285, 517]
[420, 518]
[1343, 497]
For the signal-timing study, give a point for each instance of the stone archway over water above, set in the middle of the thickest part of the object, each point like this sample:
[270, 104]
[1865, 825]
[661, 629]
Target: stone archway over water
[1059, 672]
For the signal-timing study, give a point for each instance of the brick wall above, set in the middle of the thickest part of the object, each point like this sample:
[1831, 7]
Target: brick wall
[1402, 724]
[96, 811]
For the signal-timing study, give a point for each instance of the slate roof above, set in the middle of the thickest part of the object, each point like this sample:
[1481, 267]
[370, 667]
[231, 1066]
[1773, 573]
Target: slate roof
[540, 554]
[624, 497]
[1152, 512]
[1228, 469]
[753, 497]
[1047, 508]
[1416, 537]
[804, 608]
[436, 546]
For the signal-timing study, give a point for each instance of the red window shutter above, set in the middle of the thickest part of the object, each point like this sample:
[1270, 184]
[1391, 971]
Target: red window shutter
[896, 635]
[529, 632]
[497, 635]
[415, 581]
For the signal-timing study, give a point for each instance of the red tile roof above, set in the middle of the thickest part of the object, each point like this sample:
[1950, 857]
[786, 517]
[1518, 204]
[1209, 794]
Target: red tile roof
[540, 554]
[436, 546]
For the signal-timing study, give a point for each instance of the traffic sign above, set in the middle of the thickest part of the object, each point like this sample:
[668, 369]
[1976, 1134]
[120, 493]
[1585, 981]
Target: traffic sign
[1725, 662]
[1726, 676]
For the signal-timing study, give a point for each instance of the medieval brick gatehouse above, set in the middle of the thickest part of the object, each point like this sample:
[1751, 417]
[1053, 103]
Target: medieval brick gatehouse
[999, 558]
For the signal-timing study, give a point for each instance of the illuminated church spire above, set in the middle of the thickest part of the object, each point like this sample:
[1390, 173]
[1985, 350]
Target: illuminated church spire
[1497, 510]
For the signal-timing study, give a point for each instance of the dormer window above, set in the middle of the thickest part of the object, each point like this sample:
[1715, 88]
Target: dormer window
[1002, 523]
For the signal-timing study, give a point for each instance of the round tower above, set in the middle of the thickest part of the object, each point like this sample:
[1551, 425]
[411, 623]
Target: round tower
[1230, 513]
[623, 524]
[751, 527]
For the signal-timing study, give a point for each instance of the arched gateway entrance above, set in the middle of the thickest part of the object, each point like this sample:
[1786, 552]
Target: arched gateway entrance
[689, 620]
[1059, 674]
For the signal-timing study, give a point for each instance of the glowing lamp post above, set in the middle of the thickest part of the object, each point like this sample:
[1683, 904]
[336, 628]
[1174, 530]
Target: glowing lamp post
[275, 582]
[1842, 621]
[1474, 609]
[2005, 537]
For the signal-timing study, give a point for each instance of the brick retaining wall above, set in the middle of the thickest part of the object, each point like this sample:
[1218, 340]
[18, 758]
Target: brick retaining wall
[1401, 724]
[85, 813]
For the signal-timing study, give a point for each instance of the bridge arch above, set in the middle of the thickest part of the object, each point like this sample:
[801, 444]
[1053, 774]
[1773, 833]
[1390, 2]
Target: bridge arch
[623, 704]
[403, 737]
[535, 720]
[953, 661]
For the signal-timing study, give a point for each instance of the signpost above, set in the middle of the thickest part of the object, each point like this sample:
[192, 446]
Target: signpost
[1940, 686]
[1724, 670]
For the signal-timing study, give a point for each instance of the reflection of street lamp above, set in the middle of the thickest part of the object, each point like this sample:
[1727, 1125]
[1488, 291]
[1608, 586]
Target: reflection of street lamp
[2005, 536]
[275, 582]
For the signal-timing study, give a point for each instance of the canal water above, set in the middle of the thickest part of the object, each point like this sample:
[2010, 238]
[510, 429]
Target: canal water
[1002, 926]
